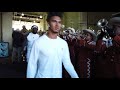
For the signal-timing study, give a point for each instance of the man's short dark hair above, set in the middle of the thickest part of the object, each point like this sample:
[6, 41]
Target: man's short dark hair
[51, 14]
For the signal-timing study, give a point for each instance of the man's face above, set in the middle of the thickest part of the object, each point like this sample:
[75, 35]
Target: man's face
[55, 24]
[88, 36]
[23, 27]
[35, 30]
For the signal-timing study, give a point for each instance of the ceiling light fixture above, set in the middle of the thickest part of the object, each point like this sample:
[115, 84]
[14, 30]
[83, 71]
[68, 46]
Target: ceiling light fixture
[22, 14]
[41, 16]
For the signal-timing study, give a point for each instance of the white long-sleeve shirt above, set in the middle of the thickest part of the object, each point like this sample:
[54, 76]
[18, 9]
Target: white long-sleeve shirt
[30, 40]
[46, 58]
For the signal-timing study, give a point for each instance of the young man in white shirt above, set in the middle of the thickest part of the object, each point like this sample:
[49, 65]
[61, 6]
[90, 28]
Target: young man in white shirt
[49, 52]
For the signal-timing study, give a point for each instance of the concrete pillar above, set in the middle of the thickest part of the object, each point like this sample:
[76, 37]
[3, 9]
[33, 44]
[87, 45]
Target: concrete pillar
[82, 20]
[77, 20]
[45, 22]
[0, 26]
[7, 28]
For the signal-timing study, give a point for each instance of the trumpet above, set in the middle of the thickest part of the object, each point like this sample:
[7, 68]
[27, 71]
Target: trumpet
[103, 24]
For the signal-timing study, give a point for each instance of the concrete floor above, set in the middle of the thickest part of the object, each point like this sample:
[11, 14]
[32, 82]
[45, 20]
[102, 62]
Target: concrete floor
[12, 70]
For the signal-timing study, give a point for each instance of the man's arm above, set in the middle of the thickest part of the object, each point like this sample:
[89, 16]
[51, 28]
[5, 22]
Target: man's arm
[67, 63]
[32, 62]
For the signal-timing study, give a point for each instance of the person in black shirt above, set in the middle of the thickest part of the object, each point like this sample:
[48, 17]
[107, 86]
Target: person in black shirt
[18, 40]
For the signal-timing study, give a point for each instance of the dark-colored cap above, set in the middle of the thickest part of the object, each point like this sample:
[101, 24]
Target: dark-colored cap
[34, 27]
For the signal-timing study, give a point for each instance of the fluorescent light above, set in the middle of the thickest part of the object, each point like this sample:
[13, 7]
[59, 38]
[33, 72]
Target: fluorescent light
[41, 16]
[22, 14]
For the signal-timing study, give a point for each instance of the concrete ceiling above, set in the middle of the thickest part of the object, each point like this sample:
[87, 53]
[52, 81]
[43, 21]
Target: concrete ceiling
[28, 16]
[35, 13]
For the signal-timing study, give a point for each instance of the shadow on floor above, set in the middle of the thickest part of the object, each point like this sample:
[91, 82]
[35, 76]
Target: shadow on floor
[13, 70]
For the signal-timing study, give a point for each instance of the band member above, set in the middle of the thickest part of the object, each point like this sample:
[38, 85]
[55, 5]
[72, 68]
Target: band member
[108, 64]
[84, 55]
[71, 40]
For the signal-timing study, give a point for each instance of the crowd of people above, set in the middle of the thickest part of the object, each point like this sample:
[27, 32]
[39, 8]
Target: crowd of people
[22, 41]
[71, 53]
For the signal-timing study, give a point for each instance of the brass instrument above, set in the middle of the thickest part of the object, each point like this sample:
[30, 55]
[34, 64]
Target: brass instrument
[103, 24]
